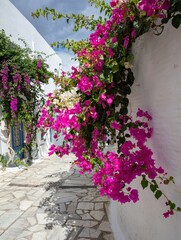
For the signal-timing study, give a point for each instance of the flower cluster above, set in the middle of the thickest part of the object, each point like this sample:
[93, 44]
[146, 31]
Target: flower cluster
[101, 86]
[167, 214]
[20, 78]
[12, 85]
[154, 7]
[13, 106]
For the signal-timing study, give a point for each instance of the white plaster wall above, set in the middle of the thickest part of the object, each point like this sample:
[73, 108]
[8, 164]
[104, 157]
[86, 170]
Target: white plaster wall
[157, 69]
[14, 23]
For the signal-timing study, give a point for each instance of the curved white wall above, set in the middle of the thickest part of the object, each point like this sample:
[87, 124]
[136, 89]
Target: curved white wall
[157, 88]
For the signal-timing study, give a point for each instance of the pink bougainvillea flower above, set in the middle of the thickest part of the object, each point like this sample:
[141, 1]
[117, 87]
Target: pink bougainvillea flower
[87, 103]
[39, 64]
[109, 101]
[126, 41]
[108, 113]
[103, 97]
[166, 5]
[55, 136]
[160, 170]
[114, 3]
[114, 39]
[133, 33]
[167, 214]
[134, 195]
[116, 125]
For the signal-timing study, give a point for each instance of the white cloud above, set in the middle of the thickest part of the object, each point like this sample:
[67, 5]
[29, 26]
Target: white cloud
[67, 62]
[58, 30]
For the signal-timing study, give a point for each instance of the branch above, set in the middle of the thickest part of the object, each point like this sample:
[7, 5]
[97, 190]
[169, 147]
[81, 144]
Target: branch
[11, 152]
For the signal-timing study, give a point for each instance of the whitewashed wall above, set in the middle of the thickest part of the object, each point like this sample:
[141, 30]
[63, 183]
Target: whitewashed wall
[14, 23]
[157, 88]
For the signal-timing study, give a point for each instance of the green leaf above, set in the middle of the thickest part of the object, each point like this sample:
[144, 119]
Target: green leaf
[144, 182]
[153, 188]
[171, 178]
[143, 167]
[155, 183]
[136, 24]
[127, 135]
[101, 77]
[176, 21]
[179, 209]
[172, 206]
[115, 67]
[127, 90]
[179, 6]
[110, 78]
[121, 140]
[165, 20]
[166, 182]
[130, 58]
[130, 77]
[125, 101]
[123, 128]
[92, 160]
[123, 110]
[96, 98]
[158, 194]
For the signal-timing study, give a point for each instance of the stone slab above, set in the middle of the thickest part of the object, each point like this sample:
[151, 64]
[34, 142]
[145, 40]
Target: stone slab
[19, 194]
[39, 235]
[86, 216]
[72, 207]
[101, 199]
[8, 218]
[42, 218]
[108, 237]
[89, 233]
[99, 206]
[74, 233]
[81, 223]
[32, 220]
[105, 226]
[85, 206]
[97, 215]
[24, 205]
[59, 233]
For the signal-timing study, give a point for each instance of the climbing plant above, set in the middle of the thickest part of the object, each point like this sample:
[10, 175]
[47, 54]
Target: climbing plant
[21, 79]
[92, 103]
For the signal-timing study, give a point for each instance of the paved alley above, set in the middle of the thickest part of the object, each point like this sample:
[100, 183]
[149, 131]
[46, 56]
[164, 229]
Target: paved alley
[50, 201]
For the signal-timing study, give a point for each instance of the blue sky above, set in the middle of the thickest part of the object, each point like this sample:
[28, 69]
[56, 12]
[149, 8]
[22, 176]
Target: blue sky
[57, 30]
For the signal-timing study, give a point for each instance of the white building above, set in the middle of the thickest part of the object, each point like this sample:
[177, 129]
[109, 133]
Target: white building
[16, 25]
[157, 69]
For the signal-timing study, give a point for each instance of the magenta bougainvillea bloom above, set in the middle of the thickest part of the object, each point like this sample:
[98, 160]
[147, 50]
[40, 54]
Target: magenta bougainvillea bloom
[99, 107]
[126, 41]
[39, 64]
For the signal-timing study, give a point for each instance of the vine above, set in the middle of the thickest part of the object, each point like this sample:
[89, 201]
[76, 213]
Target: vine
[22, 95]
[92, 103]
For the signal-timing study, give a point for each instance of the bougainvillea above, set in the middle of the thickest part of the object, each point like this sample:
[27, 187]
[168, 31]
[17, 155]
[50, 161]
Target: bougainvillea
[92, 103]
[22, 96]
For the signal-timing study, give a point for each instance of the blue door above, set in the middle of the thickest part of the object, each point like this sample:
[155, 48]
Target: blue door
[17, 137]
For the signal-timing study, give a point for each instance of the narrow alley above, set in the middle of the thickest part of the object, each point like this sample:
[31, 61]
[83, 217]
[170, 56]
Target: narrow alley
[50, 201]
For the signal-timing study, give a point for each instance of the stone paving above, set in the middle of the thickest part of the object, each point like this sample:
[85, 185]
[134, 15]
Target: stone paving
[50, 201]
